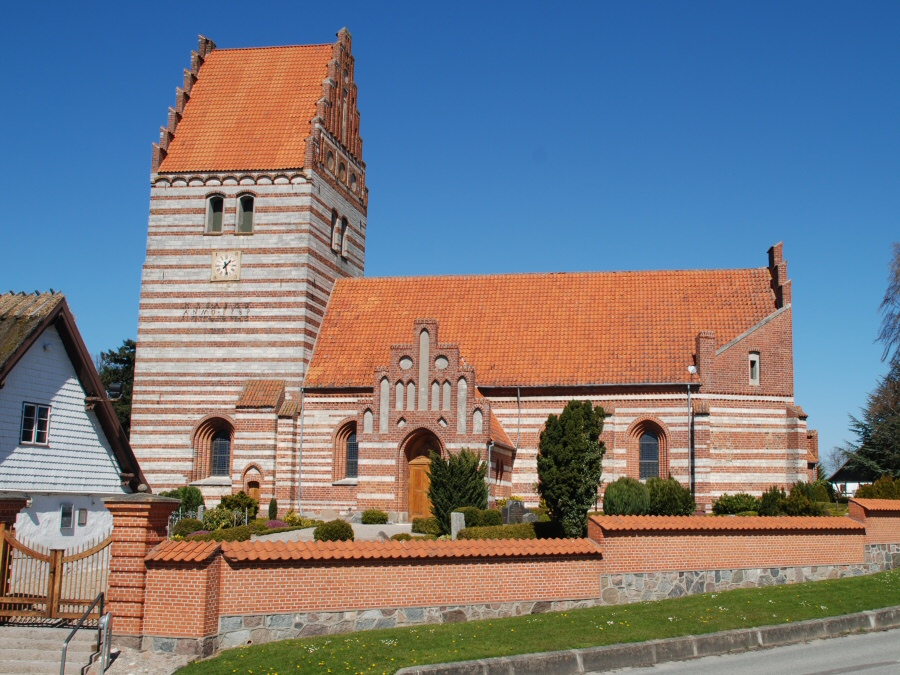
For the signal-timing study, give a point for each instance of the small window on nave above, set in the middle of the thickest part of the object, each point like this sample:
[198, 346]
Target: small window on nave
[245, 214]
[215, 209]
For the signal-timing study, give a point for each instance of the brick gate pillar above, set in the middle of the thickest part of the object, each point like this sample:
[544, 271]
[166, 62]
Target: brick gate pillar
[9, 509]
[139, 524]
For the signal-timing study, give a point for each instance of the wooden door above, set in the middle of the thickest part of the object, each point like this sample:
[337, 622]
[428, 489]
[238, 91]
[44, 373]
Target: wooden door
[419, 504]
[253, 489]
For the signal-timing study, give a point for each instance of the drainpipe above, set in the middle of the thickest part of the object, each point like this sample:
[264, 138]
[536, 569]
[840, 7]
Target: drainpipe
[300, 456]
[487, 476]
[692, 370]
[519, 420]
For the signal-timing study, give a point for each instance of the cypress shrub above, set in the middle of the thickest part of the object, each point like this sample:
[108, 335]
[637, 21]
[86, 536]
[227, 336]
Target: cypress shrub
[741, 502]
[798, 502]
[670, 498]
[456, 482]
[626, 497]
[190, 496]
[334, 530]
[273, 509]
[770, 502]
[374, 517]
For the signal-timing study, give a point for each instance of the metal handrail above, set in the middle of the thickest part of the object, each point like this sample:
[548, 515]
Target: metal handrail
[98, 600]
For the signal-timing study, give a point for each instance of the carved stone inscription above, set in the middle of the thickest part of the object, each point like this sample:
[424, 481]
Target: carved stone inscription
[216, 311]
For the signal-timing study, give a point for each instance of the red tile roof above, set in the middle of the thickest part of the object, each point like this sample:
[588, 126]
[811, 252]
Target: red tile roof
[261, 394]
[878, 504]
[183, 551]
[389, 550]
[542, 329]
[498, 434]
[250, 109]
[637, 524]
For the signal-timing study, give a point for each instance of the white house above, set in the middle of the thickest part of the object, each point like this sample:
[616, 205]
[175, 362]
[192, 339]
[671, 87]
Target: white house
[61, 445]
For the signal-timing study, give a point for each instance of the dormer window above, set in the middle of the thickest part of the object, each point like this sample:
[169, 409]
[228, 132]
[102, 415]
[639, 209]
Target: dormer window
[215, 208]
[754, 368]
[245, 214]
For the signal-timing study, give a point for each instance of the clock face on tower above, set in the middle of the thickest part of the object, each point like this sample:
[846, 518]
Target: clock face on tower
[226, 266]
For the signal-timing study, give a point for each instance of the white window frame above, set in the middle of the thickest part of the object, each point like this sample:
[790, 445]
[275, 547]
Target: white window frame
[35, 424]
[753, 368]
[66, 513]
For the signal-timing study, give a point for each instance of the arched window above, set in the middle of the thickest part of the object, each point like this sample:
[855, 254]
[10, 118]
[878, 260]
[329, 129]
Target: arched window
[649, 449]
[411, 396]
[245, 214]
[368, 422]
[336, 233]
[212, 448]
[345, 240]
[215, 208]
[477, 422]
[462, 389]
[221, 454]
[384, 410]
[399, 396]
[445, 403]
[435, 396]
[346, 453]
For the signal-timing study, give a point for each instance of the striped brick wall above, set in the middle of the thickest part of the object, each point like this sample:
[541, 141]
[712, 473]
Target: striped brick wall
[199, 340]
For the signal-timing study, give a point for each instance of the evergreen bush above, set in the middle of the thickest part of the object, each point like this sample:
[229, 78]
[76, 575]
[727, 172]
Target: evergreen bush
[334, 530]
[187, 526]
[472, 514]
[513, 531]
[569, 463]
[798, 502]
[239, 533]
[456, 482]
[190, 496]
[770, 502]
[741, 502]
[626, 497]
[426, 526]
[240, 501]
[670, 498]
[885, 487]
[374, 517]
[491, 517]
[273, 509]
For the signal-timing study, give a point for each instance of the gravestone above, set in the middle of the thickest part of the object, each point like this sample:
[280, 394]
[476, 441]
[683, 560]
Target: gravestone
[513, 512]
[457, 523]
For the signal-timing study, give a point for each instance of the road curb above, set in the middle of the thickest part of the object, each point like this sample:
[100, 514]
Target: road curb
[641, 654]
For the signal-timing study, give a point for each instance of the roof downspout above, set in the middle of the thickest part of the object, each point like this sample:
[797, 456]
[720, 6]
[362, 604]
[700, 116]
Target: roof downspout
[488, 475]
[300, 454]
[519, 420]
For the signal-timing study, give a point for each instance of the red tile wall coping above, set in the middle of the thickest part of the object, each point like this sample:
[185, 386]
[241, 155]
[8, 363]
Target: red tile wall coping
[604, 526]
[877, 505]
[273, 551]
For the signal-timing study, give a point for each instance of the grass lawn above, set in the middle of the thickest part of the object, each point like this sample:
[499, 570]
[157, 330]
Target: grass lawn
[383, 652]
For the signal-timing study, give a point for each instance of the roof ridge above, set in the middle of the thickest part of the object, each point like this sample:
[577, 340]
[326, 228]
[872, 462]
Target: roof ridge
[248, 49]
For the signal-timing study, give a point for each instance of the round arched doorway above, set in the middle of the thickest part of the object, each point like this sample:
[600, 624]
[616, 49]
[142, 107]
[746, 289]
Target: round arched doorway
[416, 455]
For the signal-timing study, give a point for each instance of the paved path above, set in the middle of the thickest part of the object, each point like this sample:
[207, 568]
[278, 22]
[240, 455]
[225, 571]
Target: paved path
[870, 654]
[360, 532]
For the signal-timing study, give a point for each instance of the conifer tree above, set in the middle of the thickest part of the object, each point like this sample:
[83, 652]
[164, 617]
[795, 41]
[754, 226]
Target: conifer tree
[456, 482]
[570, 465]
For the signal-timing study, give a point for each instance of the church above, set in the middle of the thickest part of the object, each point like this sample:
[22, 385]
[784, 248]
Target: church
[267, 362]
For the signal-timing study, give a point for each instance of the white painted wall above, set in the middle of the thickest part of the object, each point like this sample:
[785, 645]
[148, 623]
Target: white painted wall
[78, 458]
[40, 523]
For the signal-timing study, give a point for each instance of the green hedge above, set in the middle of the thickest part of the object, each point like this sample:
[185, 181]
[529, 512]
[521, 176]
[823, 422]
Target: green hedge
[239, 533]
[513, 531]
[374, 517]
[426, 526]
[741, 502]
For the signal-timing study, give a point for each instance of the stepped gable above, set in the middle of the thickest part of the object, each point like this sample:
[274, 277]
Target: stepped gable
[246, 109]
[543, 329]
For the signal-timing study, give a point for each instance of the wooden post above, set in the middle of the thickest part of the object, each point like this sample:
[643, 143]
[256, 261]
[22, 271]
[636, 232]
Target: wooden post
[54, 583]
[4, 562]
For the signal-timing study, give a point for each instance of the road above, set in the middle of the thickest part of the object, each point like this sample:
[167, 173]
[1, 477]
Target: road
[870, 654]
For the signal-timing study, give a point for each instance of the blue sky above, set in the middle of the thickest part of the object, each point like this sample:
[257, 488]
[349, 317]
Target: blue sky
[503, 137]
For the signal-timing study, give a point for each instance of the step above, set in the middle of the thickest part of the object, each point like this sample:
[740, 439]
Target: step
[9, 644]
[44, 633]
[35, 667]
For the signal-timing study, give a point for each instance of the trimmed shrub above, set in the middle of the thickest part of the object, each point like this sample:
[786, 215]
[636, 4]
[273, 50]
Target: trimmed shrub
[190, 496]
[258, 525]
[334, 530]
[626, 497]
[217, 519]
[514, 531]
[670, 498]
[472, 514]
[741, 502]
[455, 482]
[770, 502]
[187, 526]
[239, 533]
[490, 517]
[885, 487]
[799, 504]
[374, 517]
[426, 526]
[401, 536]
[273, 509]
[240, 501]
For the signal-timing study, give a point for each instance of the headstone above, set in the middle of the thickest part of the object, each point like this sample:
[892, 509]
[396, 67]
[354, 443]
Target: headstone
[529, 518]
[382, 536]
[513, 512]
[356, 518]
[200, 511]
[457, 523]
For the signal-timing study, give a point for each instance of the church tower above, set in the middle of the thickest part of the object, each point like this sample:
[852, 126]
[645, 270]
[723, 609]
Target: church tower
[258, 204]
